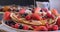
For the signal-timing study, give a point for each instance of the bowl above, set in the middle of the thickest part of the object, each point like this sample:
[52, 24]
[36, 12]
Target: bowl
[21, 30]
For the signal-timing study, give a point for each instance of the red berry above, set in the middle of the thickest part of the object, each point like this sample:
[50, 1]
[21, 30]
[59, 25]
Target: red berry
[55, 27]
[22, 11]
[58, 21]
[17, 25]
[52, 16]
[28, 17]
[25, 27]
[34, 26]
[48, 15]
[49, 27]
[7, 15]
[35, 16]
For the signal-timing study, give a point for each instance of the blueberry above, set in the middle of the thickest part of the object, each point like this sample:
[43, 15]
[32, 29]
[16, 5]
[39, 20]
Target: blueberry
[17, 10]
[40, 10]
[24, 15]
[30, 9]
[20, 27]
[6, 22]
[10, 22]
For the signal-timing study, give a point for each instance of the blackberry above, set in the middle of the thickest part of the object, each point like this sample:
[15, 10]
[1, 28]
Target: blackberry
[20, 27]
[11, 22]
[6, 22]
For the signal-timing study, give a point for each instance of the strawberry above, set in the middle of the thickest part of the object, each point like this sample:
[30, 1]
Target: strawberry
[37, 9]
[58, 21]
[17, 25]
[55, 27]
[35, 16]
[25, 27]
[28, 17]
[7, 15]
[41, 28]
[22, 11]
[48, 15]
[54, 11]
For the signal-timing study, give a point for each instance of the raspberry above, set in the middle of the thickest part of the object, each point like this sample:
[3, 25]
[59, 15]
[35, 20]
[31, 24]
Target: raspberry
[22, 11]
[25, 27]
[34, 26]
[35, 16]
[17, 25]
[49, 27]
[28, 17]
[7, 15]
[55, 27]
[48, 15]
[58, 21]
[41, 28]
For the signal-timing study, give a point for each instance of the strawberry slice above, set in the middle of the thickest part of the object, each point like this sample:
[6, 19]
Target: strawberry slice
[7, 15]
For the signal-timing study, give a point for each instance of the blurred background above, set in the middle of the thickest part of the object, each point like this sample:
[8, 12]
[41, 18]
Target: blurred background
[20, 2]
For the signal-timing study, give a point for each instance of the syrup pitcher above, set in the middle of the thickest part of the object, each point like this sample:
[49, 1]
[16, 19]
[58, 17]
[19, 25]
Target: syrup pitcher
[43, 4]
